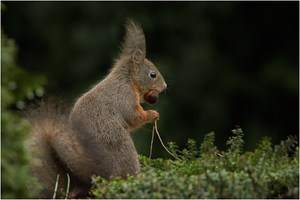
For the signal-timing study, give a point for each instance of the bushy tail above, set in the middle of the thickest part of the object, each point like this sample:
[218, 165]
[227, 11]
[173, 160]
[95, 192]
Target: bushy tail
[49, 120]
[57, 149]
[134, 39]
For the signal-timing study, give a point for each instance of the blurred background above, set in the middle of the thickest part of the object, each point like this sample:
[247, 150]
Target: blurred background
[225, 63]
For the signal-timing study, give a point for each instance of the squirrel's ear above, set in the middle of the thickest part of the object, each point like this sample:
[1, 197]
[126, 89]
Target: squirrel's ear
[138, 56]
[134, 39]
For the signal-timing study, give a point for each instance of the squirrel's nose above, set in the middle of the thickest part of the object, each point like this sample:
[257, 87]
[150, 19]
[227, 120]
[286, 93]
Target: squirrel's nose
[165, 86]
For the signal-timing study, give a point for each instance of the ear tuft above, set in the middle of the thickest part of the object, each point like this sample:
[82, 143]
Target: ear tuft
[134, 39]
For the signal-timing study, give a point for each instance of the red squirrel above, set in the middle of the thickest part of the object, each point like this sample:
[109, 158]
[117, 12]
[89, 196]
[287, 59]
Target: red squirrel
[94, 137]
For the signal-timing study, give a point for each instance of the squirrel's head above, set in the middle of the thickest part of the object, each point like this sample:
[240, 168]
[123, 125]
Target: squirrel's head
[144, 74]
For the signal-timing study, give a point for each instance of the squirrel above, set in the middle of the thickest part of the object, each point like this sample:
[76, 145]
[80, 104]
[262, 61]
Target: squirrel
[93, 137]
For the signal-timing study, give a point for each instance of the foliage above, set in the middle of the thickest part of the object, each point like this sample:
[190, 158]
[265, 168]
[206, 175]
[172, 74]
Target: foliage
[16, 86]
[206, 172]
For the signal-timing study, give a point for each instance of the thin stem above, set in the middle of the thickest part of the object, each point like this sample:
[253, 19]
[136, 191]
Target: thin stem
[156, 130]
[68, 186]
[151, 146]
[56, 186]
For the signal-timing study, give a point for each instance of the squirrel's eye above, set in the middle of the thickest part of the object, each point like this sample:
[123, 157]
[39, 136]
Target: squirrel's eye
[152, 74]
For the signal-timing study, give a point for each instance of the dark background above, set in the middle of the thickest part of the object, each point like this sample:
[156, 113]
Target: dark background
[226, 63]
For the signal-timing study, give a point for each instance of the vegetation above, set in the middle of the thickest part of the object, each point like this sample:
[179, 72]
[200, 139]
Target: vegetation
[16, 86]
[206, 172]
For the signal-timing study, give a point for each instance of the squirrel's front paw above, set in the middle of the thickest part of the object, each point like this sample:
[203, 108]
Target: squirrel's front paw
[153, 115]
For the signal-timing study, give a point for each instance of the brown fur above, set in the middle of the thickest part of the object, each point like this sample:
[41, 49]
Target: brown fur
[94, 138]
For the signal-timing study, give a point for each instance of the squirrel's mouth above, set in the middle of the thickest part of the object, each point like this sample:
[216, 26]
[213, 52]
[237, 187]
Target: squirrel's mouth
[151, 96]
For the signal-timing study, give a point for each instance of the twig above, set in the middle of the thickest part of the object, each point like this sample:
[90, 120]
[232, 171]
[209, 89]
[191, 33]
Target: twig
[68, 186]
[56, 186]
[156, 130]
[152, 138]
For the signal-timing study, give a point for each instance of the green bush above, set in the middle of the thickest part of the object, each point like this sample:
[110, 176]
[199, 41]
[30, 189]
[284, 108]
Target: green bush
[206, 172]
[16, 86]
